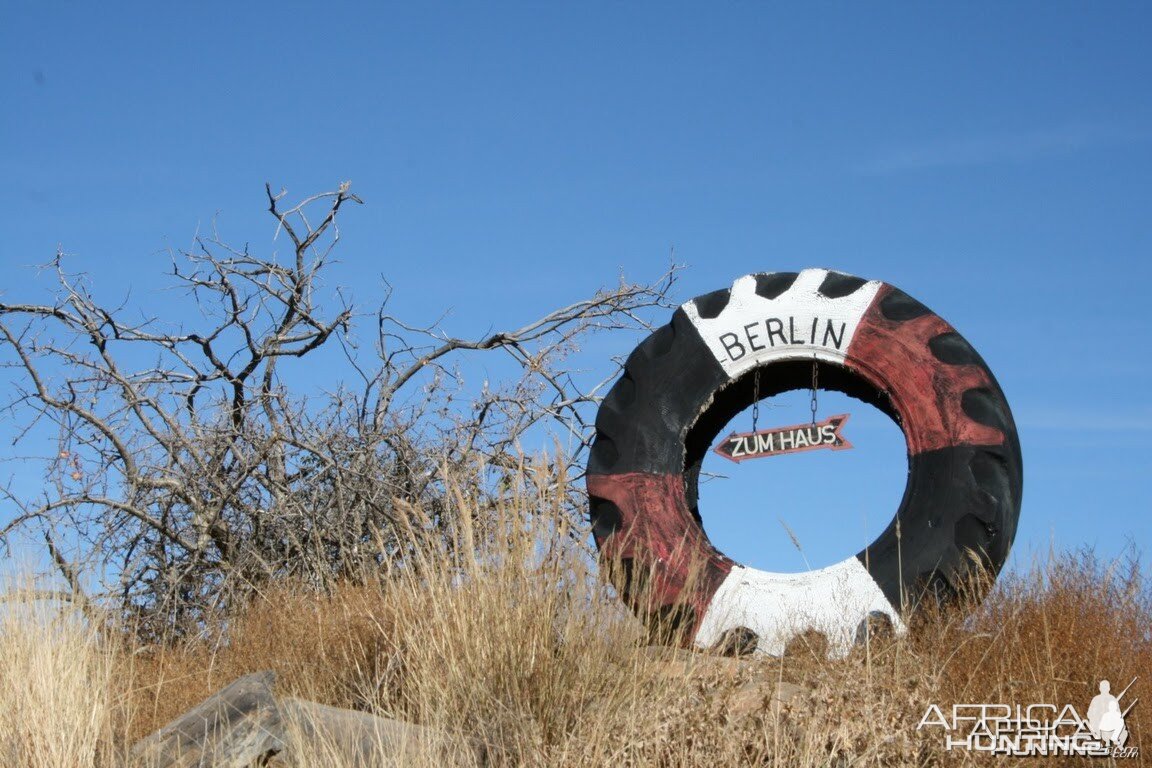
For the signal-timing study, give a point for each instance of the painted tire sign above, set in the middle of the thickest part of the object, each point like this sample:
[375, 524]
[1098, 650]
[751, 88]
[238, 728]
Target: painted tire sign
[756, 339]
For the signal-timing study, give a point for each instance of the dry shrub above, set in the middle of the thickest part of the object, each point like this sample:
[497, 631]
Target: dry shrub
[327, 645]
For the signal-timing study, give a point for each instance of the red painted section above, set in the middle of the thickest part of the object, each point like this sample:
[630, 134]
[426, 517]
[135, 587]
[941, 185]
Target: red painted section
[660, 537]
[894, 356]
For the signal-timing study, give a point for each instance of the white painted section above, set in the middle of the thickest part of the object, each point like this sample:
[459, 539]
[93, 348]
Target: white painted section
[752, 331]
[822, 326]
[778, 606]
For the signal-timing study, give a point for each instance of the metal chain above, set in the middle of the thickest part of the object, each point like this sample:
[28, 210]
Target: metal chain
[755, 398]
[815, 385]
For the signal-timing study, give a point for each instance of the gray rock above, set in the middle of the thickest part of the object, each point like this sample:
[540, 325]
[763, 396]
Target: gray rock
[316, 734]
[244, 725]
[237, 727]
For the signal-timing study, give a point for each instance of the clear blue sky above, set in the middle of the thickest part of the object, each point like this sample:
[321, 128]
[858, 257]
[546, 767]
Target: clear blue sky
[994, 160]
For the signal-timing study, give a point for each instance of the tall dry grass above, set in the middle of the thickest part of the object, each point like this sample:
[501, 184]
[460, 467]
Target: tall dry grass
[58, 695]
[504, 635]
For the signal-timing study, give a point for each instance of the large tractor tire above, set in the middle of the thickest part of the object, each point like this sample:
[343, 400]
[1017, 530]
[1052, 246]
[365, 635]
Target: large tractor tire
[954, 526]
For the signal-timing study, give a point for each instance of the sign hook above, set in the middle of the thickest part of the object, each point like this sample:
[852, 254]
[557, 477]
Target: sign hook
[755, 398]
[815, 386]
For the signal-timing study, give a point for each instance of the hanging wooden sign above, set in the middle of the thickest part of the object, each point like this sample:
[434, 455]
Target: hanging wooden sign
[780, 440]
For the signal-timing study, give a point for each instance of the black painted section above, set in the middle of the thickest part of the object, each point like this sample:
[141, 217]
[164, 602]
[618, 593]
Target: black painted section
[953, 349]
[710, 305]
[986, 406]
[737, 642]
[899, 306]
[957, 499]
[875, 625]
[770, 285]
[837, 285]
[667, 381]
[605, 517]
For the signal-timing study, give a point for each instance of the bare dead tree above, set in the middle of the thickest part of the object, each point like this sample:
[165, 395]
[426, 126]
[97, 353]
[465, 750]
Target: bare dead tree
[186, 470]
